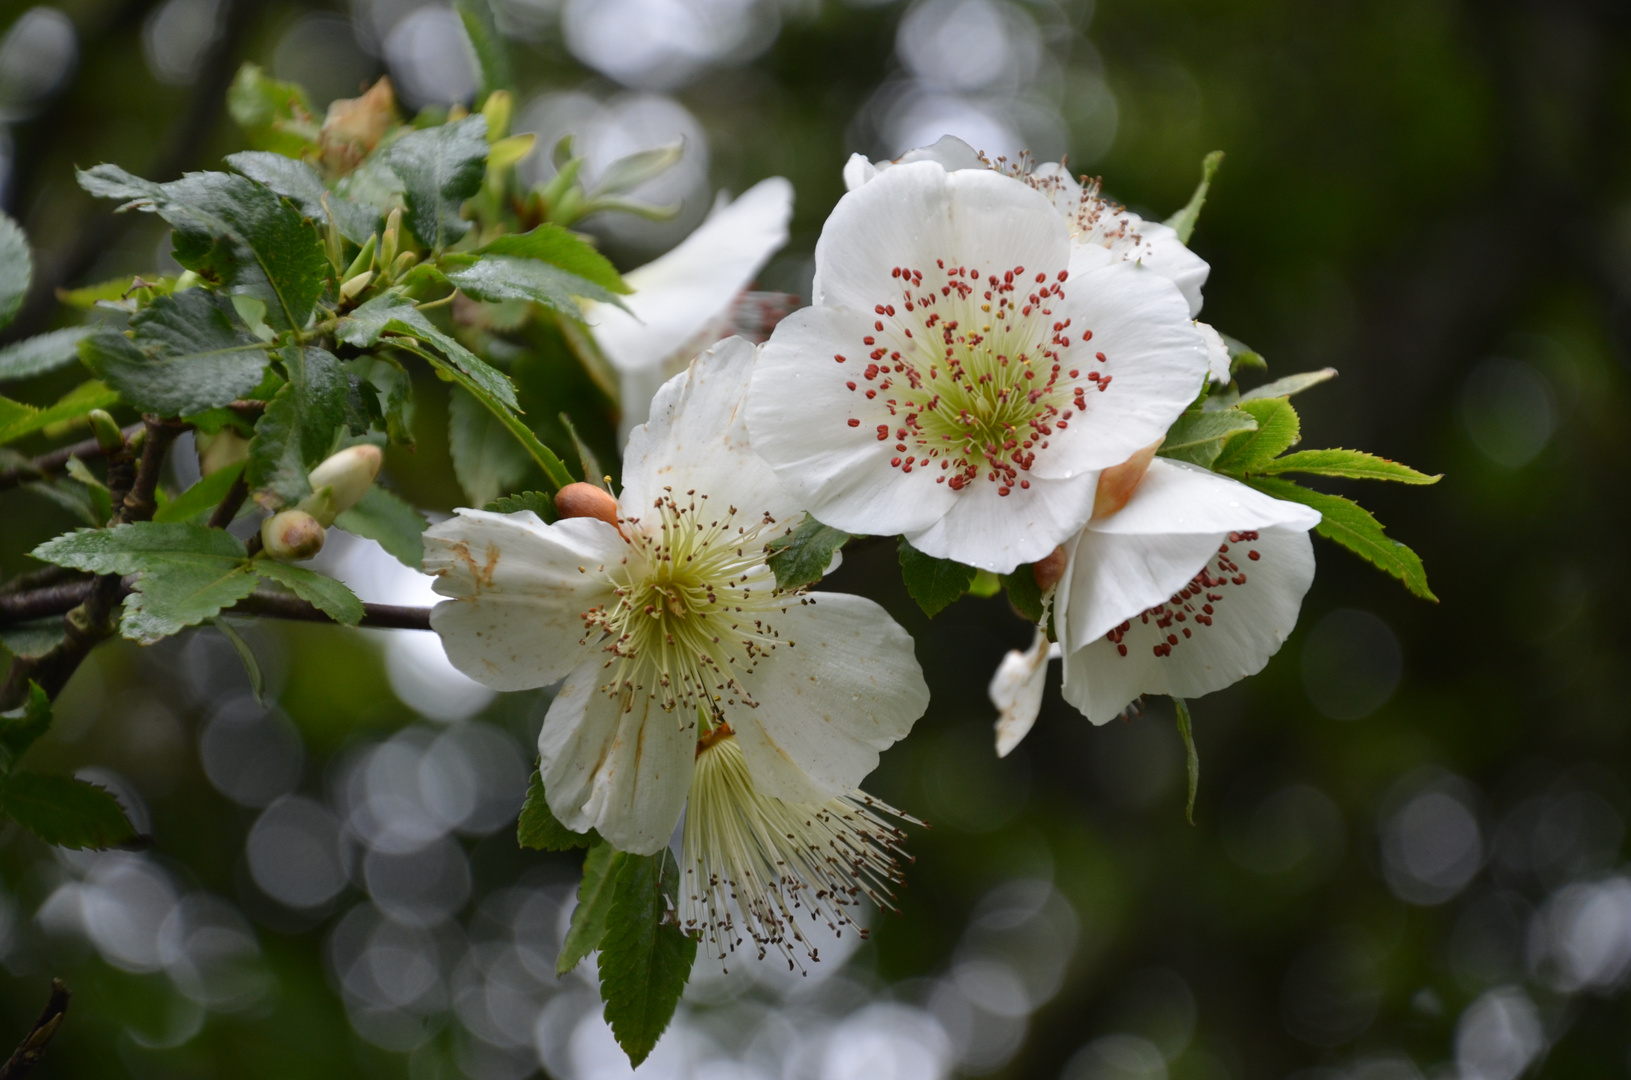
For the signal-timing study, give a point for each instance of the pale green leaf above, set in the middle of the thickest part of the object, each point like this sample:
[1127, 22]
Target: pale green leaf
[202, 497]
[1277, 430]
[487, 47]
[74, 404]
[562, 248]
[502, 277]
[43, 353]
[1354, 527]
[1351, 464]
[1183, 222]
[1291, 384]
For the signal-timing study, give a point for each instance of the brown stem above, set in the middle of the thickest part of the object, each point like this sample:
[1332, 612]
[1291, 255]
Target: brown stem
[38, 603]
[229, 506]
[382, 616]
[39, 579]
[32, 1048]
[46, 464]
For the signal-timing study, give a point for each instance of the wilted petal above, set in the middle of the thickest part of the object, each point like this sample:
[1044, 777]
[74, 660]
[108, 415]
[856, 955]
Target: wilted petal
[1016, 691]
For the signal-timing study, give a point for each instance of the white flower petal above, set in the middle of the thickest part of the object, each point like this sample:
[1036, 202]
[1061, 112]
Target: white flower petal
[1016, 691]
[1153, 546]
[1217, 355]
[1249, 623]
[697, 440]
[798, 416]
[948, 151]
[1163, 252]
[999, 532]
[913, 215]
[857, 171]
[518, 587]
[1154, 357]
[846, 688]
[624, 773]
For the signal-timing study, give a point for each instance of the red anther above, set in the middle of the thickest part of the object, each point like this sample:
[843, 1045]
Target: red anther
[851, 385]
[854, 422]
[1099, 357]
[840, 359]
[1253, 556]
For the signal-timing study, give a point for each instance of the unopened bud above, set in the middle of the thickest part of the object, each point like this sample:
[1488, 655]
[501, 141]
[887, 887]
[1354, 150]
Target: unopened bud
[215, 452]
[355, 285]
[392, 236]
[291, 535]
[1050, 568]
[365, 257]
[586, 500]
[106, 430]
[403, 263]
[341, 481]
[498, 107]
[1117, 483]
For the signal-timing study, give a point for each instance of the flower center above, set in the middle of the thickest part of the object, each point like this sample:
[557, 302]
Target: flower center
[972, 373]
[693, 594]
[1191, 608]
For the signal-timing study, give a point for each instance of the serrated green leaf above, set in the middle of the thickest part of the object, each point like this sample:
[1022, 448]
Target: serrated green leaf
[497, 278]
[191, 352]
[596, 891]
[802, 556]
[1183, 222]
[440, 168]
[538, 502]
[76, 403]
[276, 115]
[1352, 464]
[299, 427]
[390, 314]
[487, 459]
[1024, 593]
[383, 516]
[330, 597]
[538, 828]
[64, 811]
[1291, 384]
[1277, 430]
[16, 269]
[20, 727]
[562, 248]
[43, 353]
[645, 958]
[934, 583]
[300, 184]
[1198, 437]
[1356, 529]
[487, 47]
[125, 549]
[202, 497]
[246, 656]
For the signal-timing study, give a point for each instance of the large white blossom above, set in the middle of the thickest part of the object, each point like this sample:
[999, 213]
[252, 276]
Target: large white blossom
[966, 369]
[669, 623]
[1188, 587]
[684, 301]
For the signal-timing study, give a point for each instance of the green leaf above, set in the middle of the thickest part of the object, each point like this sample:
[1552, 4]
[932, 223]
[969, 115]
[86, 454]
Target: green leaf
[391, 314]
[1197, 437]
[20, 727]
[500, 277]
[276, 115]
[44, 353]
[1354, 527]
[802, 556]
[1191, 759]
[587, 462]
[299, 427]
[1183, 222]
[1242, 356]
[324, 593]
[1024, 593]
[486, 457]
[595, 894]
[1291, 384]
[934, 583]
[246, 656]
[19, 420]
[1277, 429]
[300, 184]
[63, 811]
[538, 502]
[440, 168]
[1352, 464]
[487, 45]
[562, 248]
[32, 640]
[126, 549]
[537, 827]
[235, 233]
[202, 497]
[16, 269]
[386, 518]
[632, 170]
[645, 958]
[191, 352]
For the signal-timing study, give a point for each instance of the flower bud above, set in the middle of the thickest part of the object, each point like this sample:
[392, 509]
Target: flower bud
[225, 448]
[291, 535]
[1049, 569]
[106, 430]
[352, 287]
[586, 500]
[341, 481]
[498, 107]
[1118, 482]
[393, 235]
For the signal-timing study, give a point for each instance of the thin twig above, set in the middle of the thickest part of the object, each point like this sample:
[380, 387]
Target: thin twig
[39, 579]
[381, 616]
[228, 509]
[32, 1048]
[38, 603]
[50, 462]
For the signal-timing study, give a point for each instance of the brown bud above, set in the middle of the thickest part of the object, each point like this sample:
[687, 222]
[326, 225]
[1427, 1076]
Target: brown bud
[291, 536]
[586, 500]
[1118, 482]
[1050, 568]
[354, 126]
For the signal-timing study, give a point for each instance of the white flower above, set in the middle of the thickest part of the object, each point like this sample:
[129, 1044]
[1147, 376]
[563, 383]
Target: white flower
[753, 856]
[958, 379]
[671, 618]
[682, 301]
[1189, 587]
[1016, 690]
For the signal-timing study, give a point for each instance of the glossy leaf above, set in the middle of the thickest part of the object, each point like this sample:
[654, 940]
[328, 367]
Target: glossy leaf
[1277, 429]
[1198, 437]
[43, 353]
[16, 269]
[300, 184]
[191, 352]
[388, 314]
[1356, 529]
[64, 811]
[934, 583]
[299, 428]
[562, 248]
[501, 277]
[330, 597]
[440, 167]
[1350, 464]
[802, 556]
[1291, 384]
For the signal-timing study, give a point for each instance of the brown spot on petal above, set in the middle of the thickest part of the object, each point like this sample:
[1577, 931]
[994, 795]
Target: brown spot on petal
[1049, 569]
[1117, 483]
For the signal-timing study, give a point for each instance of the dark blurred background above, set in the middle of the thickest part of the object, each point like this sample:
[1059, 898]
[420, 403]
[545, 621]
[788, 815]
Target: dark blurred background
[1407, 860]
